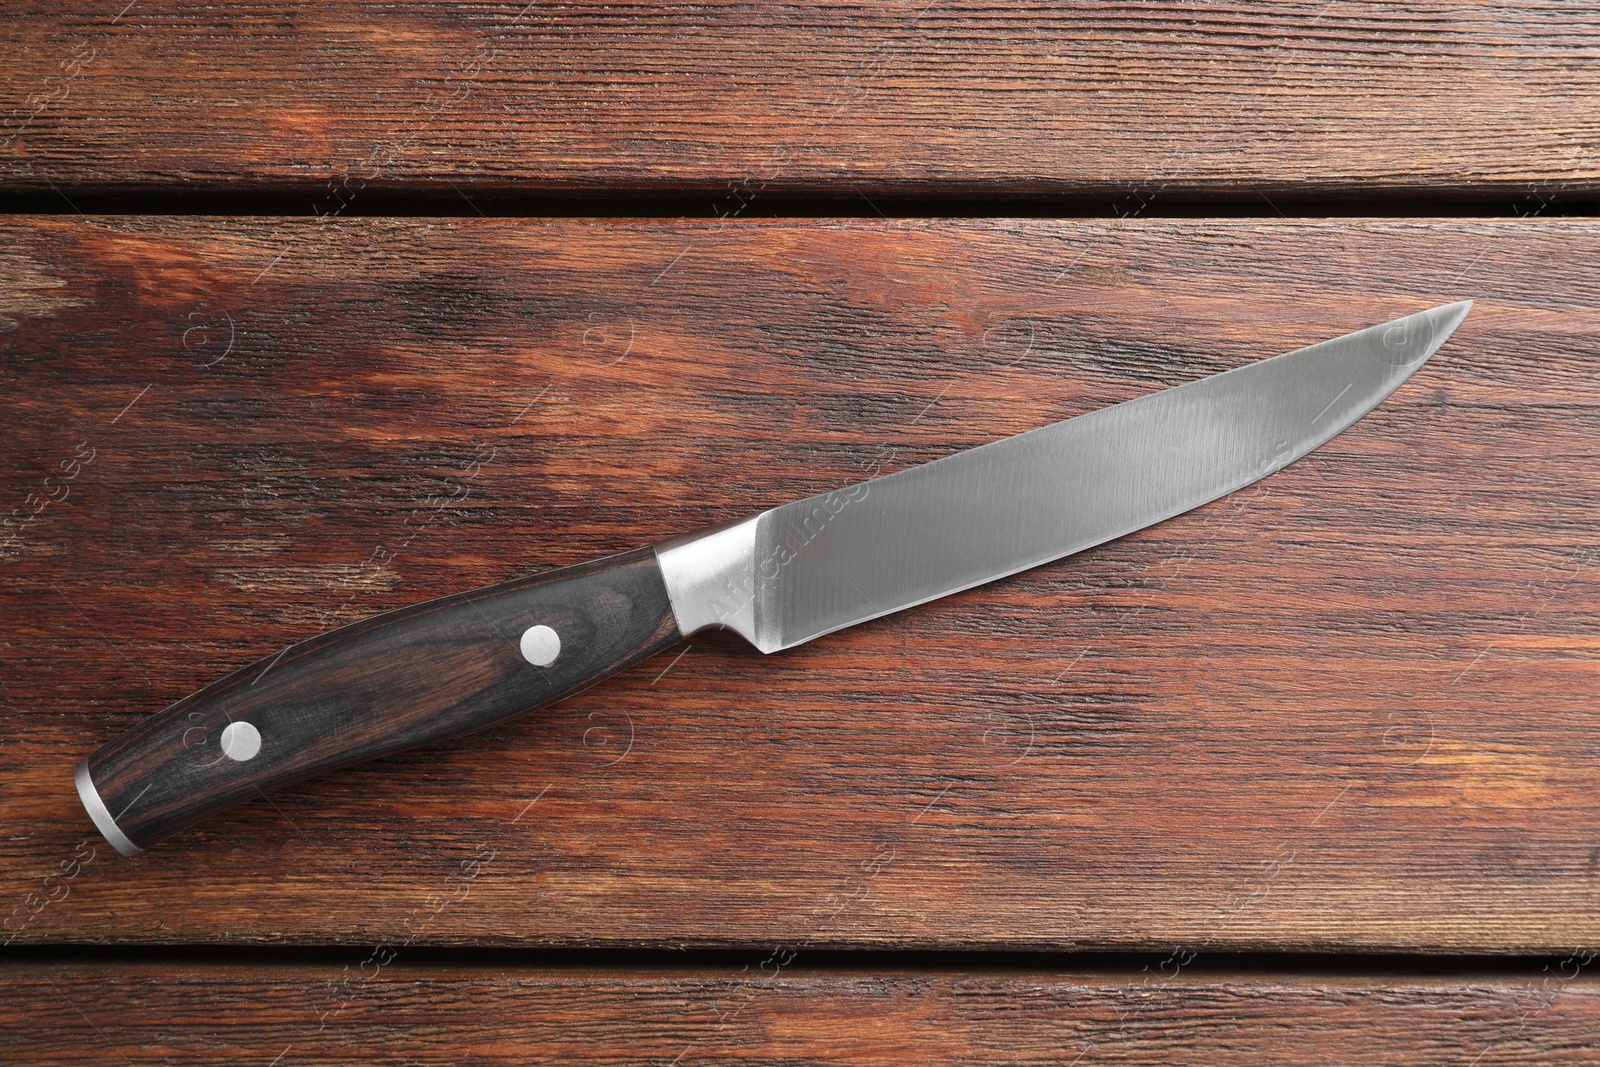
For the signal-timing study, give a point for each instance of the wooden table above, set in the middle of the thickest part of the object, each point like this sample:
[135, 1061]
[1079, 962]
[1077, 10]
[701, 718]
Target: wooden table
[310, 311]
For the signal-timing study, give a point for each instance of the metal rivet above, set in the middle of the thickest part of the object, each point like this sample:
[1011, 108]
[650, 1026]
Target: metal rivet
[240, 741]
[540, 645]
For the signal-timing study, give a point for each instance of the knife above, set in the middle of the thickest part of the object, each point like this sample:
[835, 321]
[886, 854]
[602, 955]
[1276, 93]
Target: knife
[467, 661]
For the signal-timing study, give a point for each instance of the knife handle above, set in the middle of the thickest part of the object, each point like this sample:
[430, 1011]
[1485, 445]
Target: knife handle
[404, 678]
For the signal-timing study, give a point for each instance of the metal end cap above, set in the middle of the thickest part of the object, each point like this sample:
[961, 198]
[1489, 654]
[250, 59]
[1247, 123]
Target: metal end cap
[100, 814]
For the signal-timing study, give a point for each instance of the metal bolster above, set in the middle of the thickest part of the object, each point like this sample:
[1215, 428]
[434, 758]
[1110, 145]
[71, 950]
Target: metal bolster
[100, 813]
[711, 579]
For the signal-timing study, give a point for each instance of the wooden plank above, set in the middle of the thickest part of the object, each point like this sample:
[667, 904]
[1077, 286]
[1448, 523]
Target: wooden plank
[394, 1013]
[1349, 707]
[736, 100]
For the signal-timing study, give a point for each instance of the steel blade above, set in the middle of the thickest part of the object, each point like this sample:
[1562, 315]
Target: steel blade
[890, 543]
[833, 560]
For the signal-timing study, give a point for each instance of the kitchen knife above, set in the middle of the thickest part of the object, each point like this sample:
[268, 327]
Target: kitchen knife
[467, 661]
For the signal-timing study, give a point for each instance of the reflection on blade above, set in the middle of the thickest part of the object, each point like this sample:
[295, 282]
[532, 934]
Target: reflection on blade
[834, 560]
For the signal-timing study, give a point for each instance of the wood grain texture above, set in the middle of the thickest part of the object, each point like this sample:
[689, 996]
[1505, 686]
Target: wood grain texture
[408, 677]
[373, 1012]
[1351, 706]
[331, 99]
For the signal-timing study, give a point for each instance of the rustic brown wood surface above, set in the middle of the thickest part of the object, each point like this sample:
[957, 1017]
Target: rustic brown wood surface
[396, 1013]
[334, 99]
[1351, 706]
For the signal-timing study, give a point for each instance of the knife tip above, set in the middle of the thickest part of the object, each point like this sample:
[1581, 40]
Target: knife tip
[1453, 313]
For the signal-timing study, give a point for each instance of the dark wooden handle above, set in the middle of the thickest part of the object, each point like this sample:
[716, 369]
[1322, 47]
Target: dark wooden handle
[405, 678]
